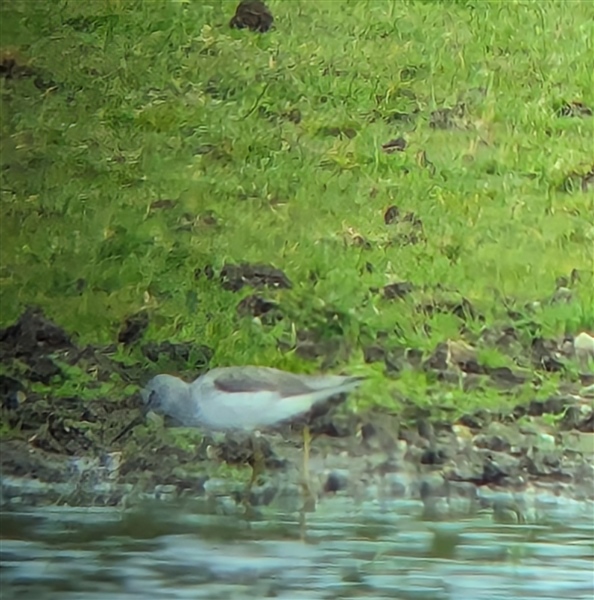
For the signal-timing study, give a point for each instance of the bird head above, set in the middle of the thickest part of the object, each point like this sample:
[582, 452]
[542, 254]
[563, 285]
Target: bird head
[166, 395]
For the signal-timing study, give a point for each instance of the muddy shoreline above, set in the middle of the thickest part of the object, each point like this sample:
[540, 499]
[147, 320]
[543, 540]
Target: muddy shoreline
[74, 448]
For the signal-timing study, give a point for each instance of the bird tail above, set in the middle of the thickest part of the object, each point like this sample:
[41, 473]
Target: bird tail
[324, 390]
[345, 385]
[354, 382]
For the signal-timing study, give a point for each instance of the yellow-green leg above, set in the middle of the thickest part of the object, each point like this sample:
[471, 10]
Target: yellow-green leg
[309, 499]
[257, 468]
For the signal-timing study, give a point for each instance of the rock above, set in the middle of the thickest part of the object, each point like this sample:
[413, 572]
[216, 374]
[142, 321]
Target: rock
[505, 377]
[463, 356]
[434, 456]
[336, 481]
[583, 346]
[546, 355]
[12, 392]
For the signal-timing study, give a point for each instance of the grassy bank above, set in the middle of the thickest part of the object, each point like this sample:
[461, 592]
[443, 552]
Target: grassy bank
[146, 143]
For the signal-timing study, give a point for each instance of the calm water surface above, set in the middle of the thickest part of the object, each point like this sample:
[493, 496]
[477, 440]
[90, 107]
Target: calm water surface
[343, 550]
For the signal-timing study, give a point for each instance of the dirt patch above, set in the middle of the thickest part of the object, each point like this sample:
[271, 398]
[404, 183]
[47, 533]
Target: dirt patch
[13, 66]
[449, 118]
[405, 229]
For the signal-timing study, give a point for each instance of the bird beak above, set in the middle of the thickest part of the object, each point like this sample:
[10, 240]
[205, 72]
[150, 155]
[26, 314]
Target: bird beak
[137, 420]
[149, 402]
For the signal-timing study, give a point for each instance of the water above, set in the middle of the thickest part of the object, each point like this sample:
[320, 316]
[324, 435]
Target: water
[343, 550]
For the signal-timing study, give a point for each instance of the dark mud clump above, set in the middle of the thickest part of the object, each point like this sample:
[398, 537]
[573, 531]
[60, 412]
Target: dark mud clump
[14, 67]
[396, 145]
[582, 180]
[448, 118]
[133, 328]
[12, 392]
[400, 290]
[235, 277]
[188, 354]
[32, 336]
[257, 306]
[574, 109]
[460, 307]
[30, 341]
[391, 215]
[407, 229]
[253, 15]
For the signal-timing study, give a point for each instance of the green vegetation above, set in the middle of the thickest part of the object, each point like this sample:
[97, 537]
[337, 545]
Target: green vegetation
[269, 147]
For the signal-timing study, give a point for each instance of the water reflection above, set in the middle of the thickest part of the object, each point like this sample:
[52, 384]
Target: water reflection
[342, 550]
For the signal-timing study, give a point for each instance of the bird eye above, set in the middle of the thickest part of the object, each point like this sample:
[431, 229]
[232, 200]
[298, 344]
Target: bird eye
[152, 399]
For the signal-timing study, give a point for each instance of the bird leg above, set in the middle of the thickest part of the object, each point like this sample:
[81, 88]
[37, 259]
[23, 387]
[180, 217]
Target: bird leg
[310, 500]
[257, 466]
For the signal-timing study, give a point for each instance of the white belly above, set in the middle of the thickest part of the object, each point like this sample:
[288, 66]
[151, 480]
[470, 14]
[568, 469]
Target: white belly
[249, 411]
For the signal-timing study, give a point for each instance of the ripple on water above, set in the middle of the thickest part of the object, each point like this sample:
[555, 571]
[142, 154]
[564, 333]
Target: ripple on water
[374, 550]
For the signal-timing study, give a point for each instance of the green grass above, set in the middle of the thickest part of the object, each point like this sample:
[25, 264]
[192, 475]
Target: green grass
[161, 100]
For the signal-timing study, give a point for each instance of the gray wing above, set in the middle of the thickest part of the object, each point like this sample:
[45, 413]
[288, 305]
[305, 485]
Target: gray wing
[259, 379]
